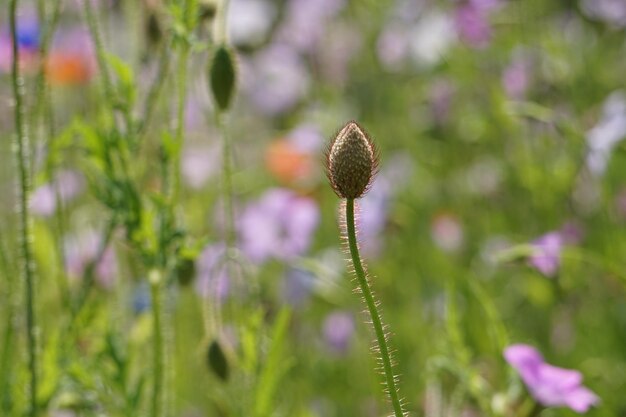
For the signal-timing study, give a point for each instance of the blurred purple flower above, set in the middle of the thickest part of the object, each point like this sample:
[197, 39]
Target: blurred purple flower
[338, 330]
[612, 12]
[212, 279]
[515, 79]
[141, 298]
[279, 225]
[199, 164]
[393, 47]
[547, 254]
[305, 22]
[604, 136]
[447, 232]
[472, 25]
[374, 206]
[441, 95]
[297, 287]
[68, 184]
[82, 249]
[550, 385]
[276, 79]
[307, 138]
[343, 42]
[28, 34]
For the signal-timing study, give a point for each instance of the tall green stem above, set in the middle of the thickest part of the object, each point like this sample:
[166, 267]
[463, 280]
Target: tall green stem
[368, 297]
[157, 343]
[22, 160]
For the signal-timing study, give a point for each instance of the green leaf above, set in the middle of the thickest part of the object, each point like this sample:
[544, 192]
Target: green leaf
[276, 365]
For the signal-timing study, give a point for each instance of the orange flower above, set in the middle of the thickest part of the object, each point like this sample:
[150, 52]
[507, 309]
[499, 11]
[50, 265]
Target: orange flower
[68, 68]
[286, 162]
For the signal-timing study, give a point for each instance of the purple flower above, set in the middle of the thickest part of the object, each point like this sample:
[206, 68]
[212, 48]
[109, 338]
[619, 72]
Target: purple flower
[305, 22]
[549, 385]
[276, 79]
[68, 184]
[515, 79]
[612, 12]
[297, 287]
[81, 250]
[547, 254]
[212, 279]
[199, 164]
[393, 47]
[604, 136]
[338, 330]
[447, 232]
[279, 225]
[28, 34]
[473, 26]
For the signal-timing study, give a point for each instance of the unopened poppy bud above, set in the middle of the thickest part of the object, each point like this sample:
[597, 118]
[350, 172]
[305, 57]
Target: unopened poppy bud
[351, 161]
[185, 271]
[222, 76]
[217, 361]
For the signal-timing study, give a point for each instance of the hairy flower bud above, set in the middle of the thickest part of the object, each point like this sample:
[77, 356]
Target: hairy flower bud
[351, 161]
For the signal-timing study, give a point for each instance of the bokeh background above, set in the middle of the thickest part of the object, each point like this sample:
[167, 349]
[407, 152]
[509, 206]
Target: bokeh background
[498, 216]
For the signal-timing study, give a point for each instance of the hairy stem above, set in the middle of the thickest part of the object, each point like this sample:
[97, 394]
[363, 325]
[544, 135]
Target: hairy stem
[157, 343]
[22, 161]
[372, 307]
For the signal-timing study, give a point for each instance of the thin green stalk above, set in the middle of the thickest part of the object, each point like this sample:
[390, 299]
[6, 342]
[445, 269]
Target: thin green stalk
[42, 93]
[107, 82]
[157, 85]
[22, 161]
[368, 297]
[227, 183]
[6, 370]
[157, 344]
[220, 22]
[181, 81]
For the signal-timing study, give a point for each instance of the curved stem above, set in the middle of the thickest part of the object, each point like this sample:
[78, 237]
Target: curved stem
[21, 156]
[368, 297]
[157, 343]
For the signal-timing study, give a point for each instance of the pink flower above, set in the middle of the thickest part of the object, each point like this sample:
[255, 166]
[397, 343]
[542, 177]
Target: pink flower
[472, 25]
[550, 385]
[547, 256]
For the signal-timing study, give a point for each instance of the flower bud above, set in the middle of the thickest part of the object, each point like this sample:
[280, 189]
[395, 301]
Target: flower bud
[216, 359]
[222, 76]
[351, 161]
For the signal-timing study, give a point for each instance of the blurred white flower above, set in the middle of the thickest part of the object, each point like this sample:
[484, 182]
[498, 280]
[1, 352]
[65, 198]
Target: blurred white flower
[431, 38]
[250, 20]
[612, 12]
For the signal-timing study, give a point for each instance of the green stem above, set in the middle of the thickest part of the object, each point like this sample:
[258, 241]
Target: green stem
[22, 159]
[181, 81]
[220, 23]
[381, 338]
[6, 368]
[107, 82]
[157, 344]
[157, 85]
[227, 183]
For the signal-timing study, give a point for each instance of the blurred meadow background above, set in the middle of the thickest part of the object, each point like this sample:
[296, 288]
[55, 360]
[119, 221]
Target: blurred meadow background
[186, 248]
